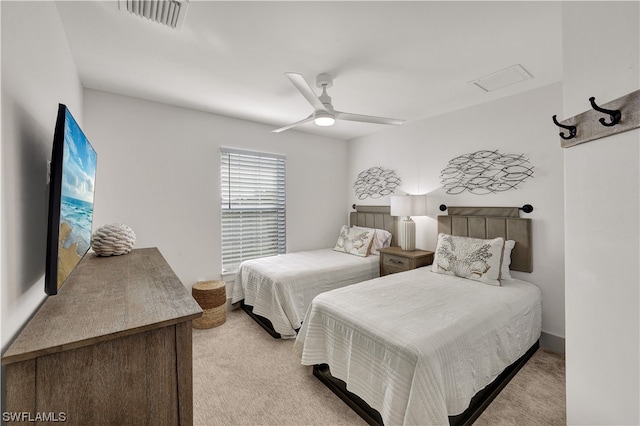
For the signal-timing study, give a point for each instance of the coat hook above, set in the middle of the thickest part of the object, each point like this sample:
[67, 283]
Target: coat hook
[615, 114]
[572, 130]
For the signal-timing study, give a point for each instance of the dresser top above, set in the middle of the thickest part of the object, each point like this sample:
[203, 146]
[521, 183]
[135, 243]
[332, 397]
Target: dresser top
[103, 299]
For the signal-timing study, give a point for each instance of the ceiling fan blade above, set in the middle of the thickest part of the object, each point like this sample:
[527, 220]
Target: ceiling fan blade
[368, 118]
[297, 123]
[306, 90]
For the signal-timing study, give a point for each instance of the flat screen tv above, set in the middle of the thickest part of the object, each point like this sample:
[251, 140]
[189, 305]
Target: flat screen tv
[71, 195]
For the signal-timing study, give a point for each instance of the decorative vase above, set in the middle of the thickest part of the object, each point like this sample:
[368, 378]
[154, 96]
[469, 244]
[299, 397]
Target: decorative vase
[407, 234]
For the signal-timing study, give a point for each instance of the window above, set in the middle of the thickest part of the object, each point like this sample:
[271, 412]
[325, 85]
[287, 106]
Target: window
[253, 206]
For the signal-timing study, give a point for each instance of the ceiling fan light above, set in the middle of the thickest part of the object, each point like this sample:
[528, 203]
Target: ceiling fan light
[324, 120]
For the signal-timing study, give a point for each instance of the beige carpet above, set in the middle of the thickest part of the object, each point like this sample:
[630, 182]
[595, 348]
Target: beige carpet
[242, 376]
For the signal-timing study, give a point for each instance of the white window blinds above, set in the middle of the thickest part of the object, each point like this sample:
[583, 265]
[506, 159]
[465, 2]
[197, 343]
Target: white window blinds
[253, 206]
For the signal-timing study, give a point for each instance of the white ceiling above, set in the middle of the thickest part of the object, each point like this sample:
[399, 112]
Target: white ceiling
[407, 60]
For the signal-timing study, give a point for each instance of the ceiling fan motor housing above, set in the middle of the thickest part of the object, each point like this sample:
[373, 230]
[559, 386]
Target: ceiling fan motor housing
[324, 80]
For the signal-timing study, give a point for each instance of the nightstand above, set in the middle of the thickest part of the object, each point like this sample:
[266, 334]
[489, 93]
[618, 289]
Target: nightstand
[394, 259]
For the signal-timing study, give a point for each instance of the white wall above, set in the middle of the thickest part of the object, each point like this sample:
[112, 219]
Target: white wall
[159, 172]
[519, 124]
[601, 44]
[38, 72]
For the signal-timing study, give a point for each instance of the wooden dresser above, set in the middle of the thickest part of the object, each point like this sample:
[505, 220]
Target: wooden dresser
[112, 347]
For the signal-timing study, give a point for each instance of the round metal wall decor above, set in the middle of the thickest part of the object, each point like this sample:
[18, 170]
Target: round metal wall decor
[485, 172]
[376, 182]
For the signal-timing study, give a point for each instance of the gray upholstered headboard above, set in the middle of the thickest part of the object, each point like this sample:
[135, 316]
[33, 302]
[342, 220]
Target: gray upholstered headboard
[378, 217]
[492, 222]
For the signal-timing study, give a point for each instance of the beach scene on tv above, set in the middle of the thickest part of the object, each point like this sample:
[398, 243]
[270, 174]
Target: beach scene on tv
[76, 207]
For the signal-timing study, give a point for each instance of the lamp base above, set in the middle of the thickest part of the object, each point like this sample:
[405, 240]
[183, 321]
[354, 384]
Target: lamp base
[407, 234]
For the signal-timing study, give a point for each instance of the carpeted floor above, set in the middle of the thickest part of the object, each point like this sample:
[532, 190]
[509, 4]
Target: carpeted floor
[242, 376]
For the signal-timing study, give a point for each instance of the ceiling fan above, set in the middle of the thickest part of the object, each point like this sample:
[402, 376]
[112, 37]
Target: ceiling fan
[324, 114]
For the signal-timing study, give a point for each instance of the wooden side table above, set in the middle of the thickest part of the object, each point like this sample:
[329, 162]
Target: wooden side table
[394, 259]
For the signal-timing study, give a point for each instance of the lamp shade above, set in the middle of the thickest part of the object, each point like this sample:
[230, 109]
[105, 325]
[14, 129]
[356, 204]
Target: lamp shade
[409, 205]
[419, 205]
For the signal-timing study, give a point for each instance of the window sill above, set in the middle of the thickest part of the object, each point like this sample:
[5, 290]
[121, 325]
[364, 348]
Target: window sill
[228, 277]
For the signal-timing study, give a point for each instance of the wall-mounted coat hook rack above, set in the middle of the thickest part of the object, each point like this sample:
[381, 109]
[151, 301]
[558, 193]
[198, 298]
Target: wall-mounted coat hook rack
[624, 115]
[615, 115]
[572, 129]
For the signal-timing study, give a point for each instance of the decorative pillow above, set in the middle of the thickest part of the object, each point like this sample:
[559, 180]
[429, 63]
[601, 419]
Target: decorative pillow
[381, 238]
[355, 241]
[506, 260]
[471, 258]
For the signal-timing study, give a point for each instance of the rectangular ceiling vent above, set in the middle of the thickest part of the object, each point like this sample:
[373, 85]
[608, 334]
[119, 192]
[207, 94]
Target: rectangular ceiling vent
[503, 78]
[170, 13]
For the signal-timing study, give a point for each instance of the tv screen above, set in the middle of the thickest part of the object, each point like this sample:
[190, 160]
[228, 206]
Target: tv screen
[71, 194]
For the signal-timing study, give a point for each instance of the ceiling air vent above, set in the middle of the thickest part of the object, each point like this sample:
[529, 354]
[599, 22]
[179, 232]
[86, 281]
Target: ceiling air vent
[505, 77]
[166, 12]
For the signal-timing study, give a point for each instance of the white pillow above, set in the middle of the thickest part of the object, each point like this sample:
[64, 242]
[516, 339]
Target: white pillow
[506, 260]
[472, 258]
[355, 241]
[382, 238]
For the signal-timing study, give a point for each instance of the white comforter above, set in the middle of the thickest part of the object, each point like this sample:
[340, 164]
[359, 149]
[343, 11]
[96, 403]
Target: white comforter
[281, 288]
[416, 346]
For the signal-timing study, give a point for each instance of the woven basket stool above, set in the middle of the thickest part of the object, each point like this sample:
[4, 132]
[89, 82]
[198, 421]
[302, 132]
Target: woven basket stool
[212, 298]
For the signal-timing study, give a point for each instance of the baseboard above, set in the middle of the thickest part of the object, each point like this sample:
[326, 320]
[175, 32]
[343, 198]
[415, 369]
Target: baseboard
[552, 343]
[232, 306]
[229, 279]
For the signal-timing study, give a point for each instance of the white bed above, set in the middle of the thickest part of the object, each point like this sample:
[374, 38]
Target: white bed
[436, 344]
[276, 291]
[417, 346]
[280, 288]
